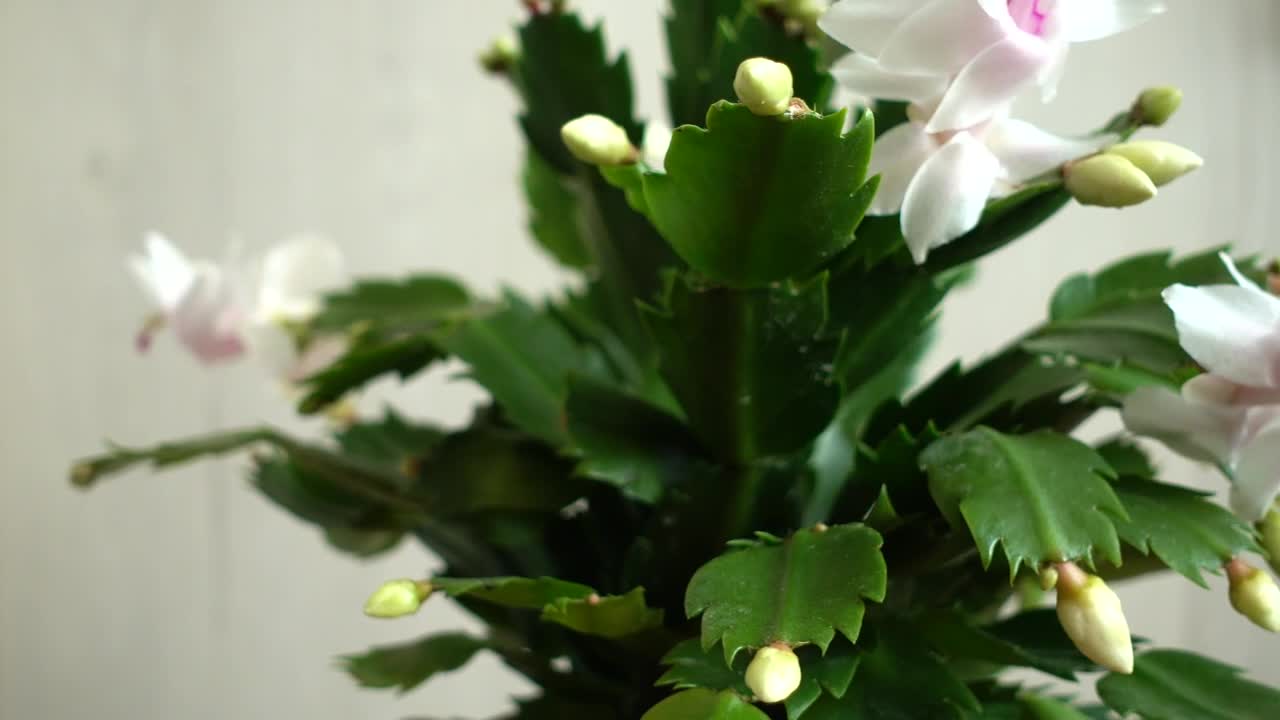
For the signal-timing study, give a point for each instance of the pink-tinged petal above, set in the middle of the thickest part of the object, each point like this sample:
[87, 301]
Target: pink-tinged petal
[897, 157]
[1085, 20]
[210, 317]
[1231, 331]
[942, 37]
[865, 25]
[862, 75]
[296, 274]
[1051, 75]
[1205, 432]
[987, 85]
[1026, 151]
[162, 271]
[1209, 389]
[1257, 476]
[946, 198]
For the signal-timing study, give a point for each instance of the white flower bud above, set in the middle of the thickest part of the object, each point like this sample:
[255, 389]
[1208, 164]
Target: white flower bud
[1163, 162]
[501, 54]
[1254, 595]
[1156, 105]
[774, 673]
[597, 140]
[1270, 530]
[764, 86]
[1108, 181]
[397, 598]
[1091, 615]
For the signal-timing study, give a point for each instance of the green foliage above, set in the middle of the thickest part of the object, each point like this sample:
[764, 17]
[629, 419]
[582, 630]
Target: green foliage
[704, 705]
[781, 208]
[1043, 497]
[900, 676]
[750, 368]
[366, 362]
[388, 309]
[798, 591]
[571, 605]
[554, 213]
[828, 674]
[625, 441]
[692, 666]
[405, 667]
[1031, 639]
[564, 72]
[1187, 532]
[1173, 685]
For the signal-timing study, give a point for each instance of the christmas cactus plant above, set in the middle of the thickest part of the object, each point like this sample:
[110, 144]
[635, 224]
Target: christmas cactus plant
[708, 484]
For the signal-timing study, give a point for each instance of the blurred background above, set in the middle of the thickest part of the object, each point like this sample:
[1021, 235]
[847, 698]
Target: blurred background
[186, 595]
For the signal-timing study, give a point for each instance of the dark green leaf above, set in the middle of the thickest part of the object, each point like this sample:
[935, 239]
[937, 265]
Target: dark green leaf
[750, 368]
[554, 213]
[363, 543]
[1004, 221]
[1127, 459]
[1040, 707]
[899, 678]
[750, 200]
[1043, 497]
[610, 617]
[1187, 532]
[1033, 639]
[625, 441]
[704, 705]
[693, 31]
[754, 35]
[1178, 685]
[391, 308]
[514, 592]
[692, 666]
[523, 358]
[367, 361]
[824, 674]
[564, 72]
[405, 667]
[801, 591]
[390, 442]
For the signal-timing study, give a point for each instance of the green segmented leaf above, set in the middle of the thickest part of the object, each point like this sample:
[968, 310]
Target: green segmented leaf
[575, 606]
[801, 591]
[364, 363]
[405, 667]
[554, 213]
[704, 705]
[1177, 685]
[689, 665]
[1042, 497]
[750, 200]
[392, 308]
[1187, 532]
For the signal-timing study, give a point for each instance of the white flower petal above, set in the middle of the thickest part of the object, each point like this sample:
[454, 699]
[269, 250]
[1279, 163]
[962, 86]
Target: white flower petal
[948, 194]
[295, 275]
[272, 347]
[941, 37]
[1257, 480]
[1231, 331]
[163, 271]
[988, 84]
[1085, 20]
[1199, 431]
[1026, 151]
[1241, 279]
[653, 149]
[865, 76]
[897, 157]
[210, 316]
[865, 25]
[1053, 70]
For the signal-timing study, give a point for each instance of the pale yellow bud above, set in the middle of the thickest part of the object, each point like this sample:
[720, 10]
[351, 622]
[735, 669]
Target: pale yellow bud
[1270, 530]
[1163, 162]
[397, 598]
[1090, 613]
[774, 673]
[1254, 595]
[597, 140]
[501, 54]
[1156, 105]
[1108, 181]
[764, 86]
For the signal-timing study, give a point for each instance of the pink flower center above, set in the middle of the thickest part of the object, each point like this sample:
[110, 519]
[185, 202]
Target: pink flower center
[1030, 15]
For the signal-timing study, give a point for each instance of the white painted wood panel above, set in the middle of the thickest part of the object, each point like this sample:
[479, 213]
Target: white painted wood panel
[184, 595]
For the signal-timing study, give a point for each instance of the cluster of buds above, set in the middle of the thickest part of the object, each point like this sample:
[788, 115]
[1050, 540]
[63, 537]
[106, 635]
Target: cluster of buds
[1092, 617]
[1156, 105]
[1254, 594]
[398, 598]
[1129, 173]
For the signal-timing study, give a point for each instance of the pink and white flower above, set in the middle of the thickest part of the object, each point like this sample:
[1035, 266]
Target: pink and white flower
[223, 311]
[1230, 415]
[968, 59]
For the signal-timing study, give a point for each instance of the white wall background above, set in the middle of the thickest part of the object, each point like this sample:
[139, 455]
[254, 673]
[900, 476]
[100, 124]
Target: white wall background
[184, 595]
